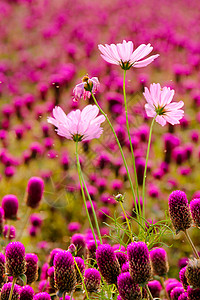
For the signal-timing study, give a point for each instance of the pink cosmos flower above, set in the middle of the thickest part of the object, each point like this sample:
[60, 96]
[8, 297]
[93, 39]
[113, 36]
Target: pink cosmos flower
[122, 54]
[159, 104]
[84, 89]
[78, 125]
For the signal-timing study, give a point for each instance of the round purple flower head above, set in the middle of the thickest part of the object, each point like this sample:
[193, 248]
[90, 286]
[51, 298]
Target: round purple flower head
[179, 211]
[50, 273]
[159, 261]
[183, 278]
[195, 211]
[65, 274]
[171, 285]
[79, 241]
[193, 273]
[92, 280]
[128, 289]
[125, 267]
[52, 255]
[108, 264]
[155, 288]
[2, 269]
[193, 294]
[15, 259]
[183, 296]
[35, 189]
[176, 292]
[139, 262]
[5, 292]
[26, 293]
[81, 266]
[42, 296]
[10, 206]
[31, 267]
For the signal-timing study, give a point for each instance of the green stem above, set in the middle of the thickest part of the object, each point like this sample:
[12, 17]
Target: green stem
[93, 210]
[86, 292]
[127, 221]
[196, 254]
[83, 194]
[121, 151]
[12, 288]
[130, 142]
[148, 292]
[25, 221]
[145, 169]
[64, 295]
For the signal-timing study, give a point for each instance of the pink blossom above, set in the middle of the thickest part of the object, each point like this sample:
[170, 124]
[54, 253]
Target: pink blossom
[159, 105]
[84, 89]
[78, 125]
[122, 54]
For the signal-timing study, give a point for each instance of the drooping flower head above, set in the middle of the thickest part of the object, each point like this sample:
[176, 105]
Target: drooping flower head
[128, 289]
[122, 54]
[159, 105]
[139, 262]
[84, 89]
[78, 125]
[179, 211]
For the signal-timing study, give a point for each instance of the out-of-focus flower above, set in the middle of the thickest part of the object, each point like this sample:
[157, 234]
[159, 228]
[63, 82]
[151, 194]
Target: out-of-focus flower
[122, 54]
[78, 125]
[84, 89]
[159, 105]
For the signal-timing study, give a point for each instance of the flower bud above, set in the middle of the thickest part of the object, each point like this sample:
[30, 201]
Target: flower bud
[35, 189]
[10, 206]
[179, 211]
[108, 264]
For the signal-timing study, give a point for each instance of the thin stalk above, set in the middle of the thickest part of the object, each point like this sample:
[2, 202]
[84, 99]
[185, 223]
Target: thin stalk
[121, 151]
[64, 295]
[191, 244]
[127, 221]
[148, 292]
[25, 221]
[145, 169]
[164, 287]
[12, 288]
[86, 292]
[83, 194]
[93, 210]
[130, 142]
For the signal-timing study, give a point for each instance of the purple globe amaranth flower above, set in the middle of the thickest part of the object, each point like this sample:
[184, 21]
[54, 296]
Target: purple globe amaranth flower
[65, 274]
[92, 280]
[31, 267]
[79, 241]
[15, 259]
[81, 266]
[108, 264]
[139, 262]
[10, 206]
[52, 255]
[42, 296]
[179, 211]
[155, 288]
[176, 292]
[50, 273]
[35, 189]
[183, 296]
[125, 267]
[26, 293]
[193, 294]
[5, 292]
[2, 269]
[195, 211]
[128, 289]
[183, 278]
[171, 285]
[193, 273]
[159, 262]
